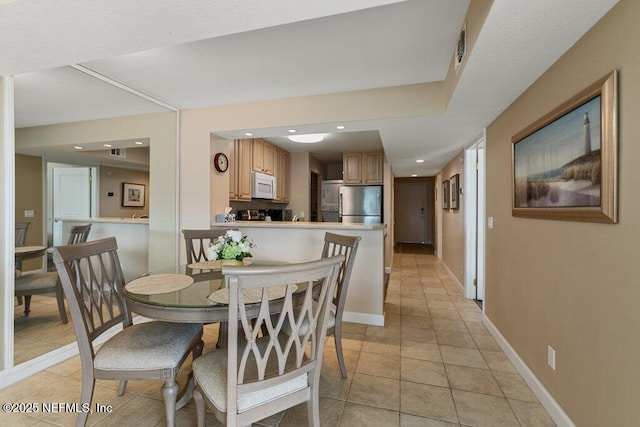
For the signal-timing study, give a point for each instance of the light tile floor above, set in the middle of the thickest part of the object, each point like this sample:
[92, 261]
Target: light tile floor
[433, 364]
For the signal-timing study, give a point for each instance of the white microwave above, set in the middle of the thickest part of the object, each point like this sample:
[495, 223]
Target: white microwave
[263, 186]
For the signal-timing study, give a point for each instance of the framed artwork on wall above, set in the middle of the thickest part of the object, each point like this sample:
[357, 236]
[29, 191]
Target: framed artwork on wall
[455, 191]
[565, 164]
[445, 195]
[132, 194]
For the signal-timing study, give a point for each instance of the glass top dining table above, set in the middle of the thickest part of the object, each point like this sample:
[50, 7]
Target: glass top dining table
[190, 304]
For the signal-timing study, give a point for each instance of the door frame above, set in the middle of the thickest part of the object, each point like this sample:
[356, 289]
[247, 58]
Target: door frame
[475, 214]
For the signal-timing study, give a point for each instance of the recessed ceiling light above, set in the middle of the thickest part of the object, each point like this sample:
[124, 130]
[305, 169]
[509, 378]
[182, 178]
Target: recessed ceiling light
[292, 131]
[414, 174]
[419, 161]
[107, 145]
[139, 143]
[77, 147]
[248, 134]
[307, 139]
[340, 127]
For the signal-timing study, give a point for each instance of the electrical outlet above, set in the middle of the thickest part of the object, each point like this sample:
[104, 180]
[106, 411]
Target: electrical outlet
[551, 357]
[29, 214]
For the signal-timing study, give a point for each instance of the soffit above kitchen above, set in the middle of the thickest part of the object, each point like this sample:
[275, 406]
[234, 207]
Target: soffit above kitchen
[325, 52]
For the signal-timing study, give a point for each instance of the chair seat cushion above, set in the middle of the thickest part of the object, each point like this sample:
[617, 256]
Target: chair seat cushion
[36, 281]
[210, 372]
[147, 346]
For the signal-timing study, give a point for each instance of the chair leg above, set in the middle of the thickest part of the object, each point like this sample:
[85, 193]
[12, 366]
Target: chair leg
[337, 337]
[27, 305]
[313, 407]
[60, 299]
[200, 407]
[197, 350]
[170, 395]
[88, 384]
[19, 298]
[122, 387]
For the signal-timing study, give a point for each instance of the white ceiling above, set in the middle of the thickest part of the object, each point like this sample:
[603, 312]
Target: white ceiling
[236, 51]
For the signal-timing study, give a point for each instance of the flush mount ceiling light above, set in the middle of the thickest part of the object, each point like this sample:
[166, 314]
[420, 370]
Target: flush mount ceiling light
[419, 161]
[307, 139]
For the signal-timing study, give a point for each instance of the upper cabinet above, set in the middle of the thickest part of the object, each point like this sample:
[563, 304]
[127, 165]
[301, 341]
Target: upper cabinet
[240, 170]
[263, 160]
[257, 155]
[363, 168]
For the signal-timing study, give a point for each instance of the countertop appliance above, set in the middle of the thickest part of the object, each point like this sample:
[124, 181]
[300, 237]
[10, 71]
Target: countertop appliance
[330, 200]
[263, 186]
[361, 204]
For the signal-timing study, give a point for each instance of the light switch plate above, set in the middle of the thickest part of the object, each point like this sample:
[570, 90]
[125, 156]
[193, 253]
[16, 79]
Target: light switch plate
[29, 214]
[490, 222]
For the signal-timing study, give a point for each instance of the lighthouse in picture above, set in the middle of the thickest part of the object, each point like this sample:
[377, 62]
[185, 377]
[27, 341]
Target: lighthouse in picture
[587, 134]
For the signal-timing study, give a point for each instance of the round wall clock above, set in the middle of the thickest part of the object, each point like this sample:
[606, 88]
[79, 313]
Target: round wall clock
[221, 162]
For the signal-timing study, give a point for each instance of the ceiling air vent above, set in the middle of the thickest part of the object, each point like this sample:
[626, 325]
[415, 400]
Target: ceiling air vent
[118, 152]
[461, 47]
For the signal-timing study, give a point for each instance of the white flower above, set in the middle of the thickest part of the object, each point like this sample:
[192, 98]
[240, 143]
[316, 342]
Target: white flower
[234, 235]
[212, 253]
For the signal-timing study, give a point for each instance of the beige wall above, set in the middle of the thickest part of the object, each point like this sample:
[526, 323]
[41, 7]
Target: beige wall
[300, 184]
[6, 268]
[573, 285]
[111, 180]
[29, 196]
[453, 224]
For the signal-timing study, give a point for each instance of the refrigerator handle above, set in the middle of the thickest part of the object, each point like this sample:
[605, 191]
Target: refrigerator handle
[340, 207]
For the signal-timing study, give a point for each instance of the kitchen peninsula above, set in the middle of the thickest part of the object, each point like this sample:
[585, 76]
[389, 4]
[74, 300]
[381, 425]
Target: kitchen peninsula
[303, 241]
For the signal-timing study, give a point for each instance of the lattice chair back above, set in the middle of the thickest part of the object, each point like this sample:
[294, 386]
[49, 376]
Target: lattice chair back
[92, 280]
[79, 234]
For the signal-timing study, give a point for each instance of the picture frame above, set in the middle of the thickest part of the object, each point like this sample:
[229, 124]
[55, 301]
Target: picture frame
[455, 191]
[564, 165]
[445, 195]
[133, 194]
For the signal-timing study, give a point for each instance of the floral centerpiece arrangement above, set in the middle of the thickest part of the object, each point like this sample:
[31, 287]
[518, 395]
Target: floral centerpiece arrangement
[232, 246]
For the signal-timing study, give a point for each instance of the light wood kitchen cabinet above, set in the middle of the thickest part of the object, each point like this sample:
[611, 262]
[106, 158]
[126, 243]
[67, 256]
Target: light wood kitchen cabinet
[262, 156]
[240, 170]
[286, 176]
[362, 168]
[281, 165]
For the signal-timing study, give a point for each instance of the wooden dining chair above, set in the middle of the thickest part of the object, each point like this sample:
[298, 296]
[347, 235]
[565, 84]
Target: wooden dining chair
[21, 234]
[263, 375]
[44, 283]
[197, 242]
[93, 282]
[337, 244]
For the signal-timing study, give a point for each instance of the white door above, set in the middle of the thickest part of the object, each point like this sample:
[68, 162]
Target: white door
[72, 192]
[411, 213]
[475, 220]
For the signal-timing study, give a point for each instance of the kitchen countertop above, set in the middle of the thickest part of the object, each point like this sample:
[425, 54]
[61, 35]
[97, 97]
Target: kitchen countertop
[106, 220]
[298, 225]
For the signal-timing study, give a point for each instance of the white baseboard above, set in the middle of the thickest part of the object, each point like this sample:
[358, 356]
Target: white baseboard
[367, 319]
[453, 277]
[548, 402]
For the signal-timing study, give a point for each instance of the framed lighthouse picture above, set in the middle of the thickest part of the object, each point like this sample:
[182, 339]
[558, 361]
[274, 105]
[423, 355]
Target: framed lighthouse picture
[565, 164]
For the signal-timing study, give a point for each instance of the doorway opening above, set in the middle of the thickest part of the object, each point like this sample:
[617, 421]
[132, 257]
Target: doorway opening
[314, 197]
[475, 220]
[414, 208]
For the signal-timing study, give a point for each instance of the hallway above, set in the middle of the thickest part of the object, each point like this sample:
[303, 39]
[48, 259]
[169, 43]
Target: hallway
[433, 364]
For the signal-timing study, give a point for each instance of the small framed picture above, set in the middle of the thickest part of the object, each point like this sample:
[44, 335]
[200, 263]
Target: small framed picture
[455, 191]
[445, 195]
[133, 194]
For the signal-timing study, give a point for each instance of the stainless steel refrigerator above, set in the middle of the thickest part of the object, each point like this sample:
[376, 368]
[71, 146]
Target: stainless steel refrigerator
[330, 200]
[361, 204]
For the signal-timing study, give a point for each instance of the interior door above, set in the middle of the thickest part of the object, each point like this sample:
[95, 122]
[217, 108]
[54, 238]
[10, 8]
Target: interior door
[411, 212]
[72, 192]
